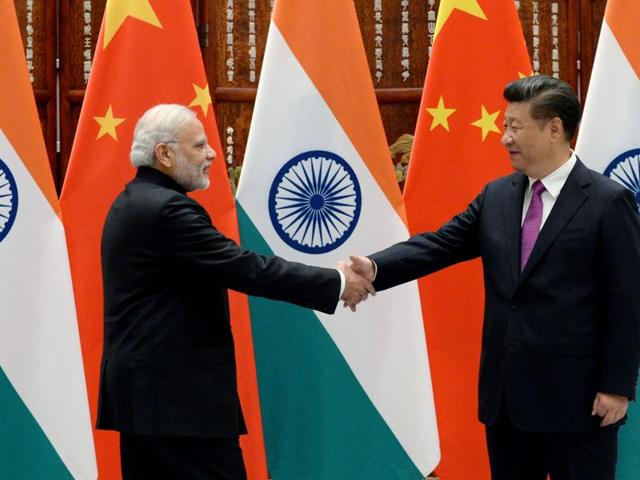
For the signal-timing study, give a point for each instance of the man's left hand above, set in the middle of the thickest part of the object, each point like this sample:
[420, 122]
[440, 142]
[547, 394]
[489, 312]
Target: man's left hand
[610, 407]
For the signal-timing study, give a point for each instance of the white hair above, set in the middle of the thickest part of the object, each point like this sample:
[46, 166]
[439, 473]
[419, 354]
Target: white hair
[159, 124]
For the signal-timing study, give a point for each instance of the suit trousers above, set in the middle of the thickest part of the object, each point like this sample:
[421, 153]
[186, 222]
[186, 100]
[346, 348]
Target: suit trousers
[145, 457]
[518, 455]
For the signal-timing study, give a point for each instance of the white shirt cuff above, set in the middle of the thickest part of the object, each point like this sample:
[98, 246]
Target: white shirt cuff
[343, 283]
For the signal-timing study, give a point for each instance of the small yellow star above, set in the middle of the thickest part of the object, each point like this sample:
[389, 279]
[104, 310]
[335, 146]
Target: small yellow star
[487, 123]
[117, 11]
[440, 115]
[448, 6]
[203, 98]
[522, 75]
[108, 124]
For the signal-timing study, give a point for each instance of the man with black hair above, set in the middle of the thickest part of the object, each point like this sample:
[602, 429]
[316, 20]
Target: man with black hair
[560, 247]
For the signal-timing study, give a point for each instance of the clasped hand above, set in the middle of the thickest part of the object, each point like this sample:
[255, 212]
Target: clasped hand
[358, 275]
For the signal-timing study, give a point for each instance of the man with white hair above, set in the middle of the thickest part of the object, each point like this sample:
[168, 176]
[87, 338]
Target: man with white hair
[168, 374]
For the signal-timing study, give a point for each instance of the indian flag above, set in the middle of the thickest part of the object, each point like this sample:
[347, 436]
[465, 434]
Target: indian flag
[609, 142]
[45, 430]
[346, 396]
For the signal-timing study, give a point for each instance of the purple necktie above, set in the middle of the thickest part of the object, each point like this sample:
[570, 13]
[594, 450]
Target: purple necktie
[532, 221]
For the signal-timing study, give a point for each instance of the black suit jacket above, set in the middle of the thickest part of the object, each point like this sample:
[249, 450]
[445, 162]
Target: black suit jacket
[565, 328]
[168, 366]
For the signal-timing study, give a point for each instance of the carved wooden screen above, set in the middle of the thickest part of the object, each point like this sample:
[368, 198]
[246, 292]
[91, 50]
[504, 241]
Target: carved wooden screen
[561, 37]
[79, 29]
[37, 19]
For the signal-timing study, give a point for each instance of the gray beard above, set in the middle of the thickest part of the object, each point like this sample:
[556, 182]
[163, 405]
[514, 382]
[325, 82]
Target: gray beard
[185, 178]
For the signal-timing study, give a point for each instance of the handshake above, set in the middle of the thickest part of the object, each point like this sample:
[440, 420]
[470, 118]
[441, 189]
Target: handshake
[358, 275]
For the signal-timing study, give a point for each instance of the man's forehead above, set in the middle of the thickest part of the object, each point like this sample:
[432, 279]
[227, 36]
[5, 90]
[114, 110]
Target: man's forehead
[193, 128]
[517, 110]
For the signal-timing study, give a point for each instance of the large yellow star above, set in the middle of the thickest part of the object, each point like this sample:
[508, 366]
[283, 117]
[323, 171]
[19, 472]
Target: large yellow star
[440, 115]
[203, 98]
[448, 6]
[108, 124]
[487, 122]
[117, 11]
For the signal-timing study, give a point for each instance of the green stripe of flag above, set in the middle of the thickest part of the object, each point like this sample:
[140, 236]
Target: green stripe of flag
[308, 393]
[629, 444]
[25, 450]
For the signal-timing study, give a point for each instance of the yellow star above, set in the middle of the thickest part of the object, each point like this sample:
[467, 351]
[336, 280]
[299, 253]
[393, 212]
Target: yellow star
[448, 6]
[203, 98]
[487, 122]
[117, 11]
[440, 115]
[108, 124]
[522, 75]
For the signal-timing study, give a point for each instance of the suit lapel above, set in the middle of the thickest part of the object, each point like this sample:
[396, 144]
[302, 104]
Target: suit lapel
[571, 197]
[513, 219]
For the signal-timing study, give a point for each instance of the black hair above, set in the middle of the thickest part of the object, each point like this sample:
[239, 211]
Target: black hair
[549, 98]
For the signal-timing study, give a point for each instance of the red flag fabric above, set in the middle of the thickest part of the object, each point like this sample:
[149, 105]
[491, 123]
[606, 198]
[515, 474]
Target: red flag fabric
[478, 48]
[147, 53]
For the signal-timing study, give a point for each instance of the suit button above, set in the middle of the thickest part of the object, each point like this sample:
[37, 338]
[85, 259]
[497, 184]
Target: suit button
[514, 306]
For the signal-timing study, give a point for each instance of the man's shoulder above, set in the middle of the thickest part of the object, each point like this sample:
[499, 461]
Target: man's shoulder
[604, 181]
[144, 198]
[604, 184]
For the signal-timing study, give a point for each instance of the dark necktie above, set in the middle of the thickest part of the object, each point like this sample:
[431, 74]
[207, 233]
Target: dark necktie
[531, 225]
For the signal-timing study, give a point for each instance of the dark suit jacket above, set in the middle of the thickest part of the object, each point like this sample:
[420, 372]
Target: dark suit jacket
[565, 328]
[168, 365]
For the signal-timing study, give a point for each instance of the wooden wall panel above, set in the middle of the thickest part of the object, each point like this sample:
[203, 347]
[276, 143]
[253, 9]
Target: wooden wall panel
[397, 34]
[591, 15]
[394, 33]
[80, 22]
[549, 29]
[238, 34]
[234, 118]
[37, 19]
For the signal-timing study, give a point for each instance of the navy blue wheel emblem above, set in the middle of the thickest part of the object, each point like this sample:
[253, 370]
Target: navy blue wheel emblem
[625, 169]
[315, 202]
[8, 200]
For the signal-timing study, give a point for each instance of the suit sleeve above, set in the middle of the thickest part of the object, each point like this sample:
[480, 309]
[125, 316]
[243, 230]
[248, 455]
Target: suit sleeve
[456, 241]
[196, 247]
[620, 271]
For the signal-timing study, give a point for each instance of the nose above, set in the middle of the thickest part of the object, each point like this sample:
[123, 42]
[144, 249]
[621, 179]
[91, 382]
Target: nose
[507, 139]
[210, 152]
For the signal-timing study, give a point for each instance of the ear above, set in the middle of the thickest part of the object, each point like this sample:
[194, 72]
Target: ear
[556, 128]
[164, 155]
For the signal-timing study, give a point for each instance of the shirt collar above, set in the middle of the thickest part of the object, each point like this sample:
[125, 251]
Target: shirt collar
[554, 182]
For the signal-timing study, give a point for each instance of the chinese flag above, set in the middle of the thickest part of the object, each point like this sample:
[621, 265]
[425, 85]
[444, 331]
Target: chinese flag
[147, 53]
[478, 48]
